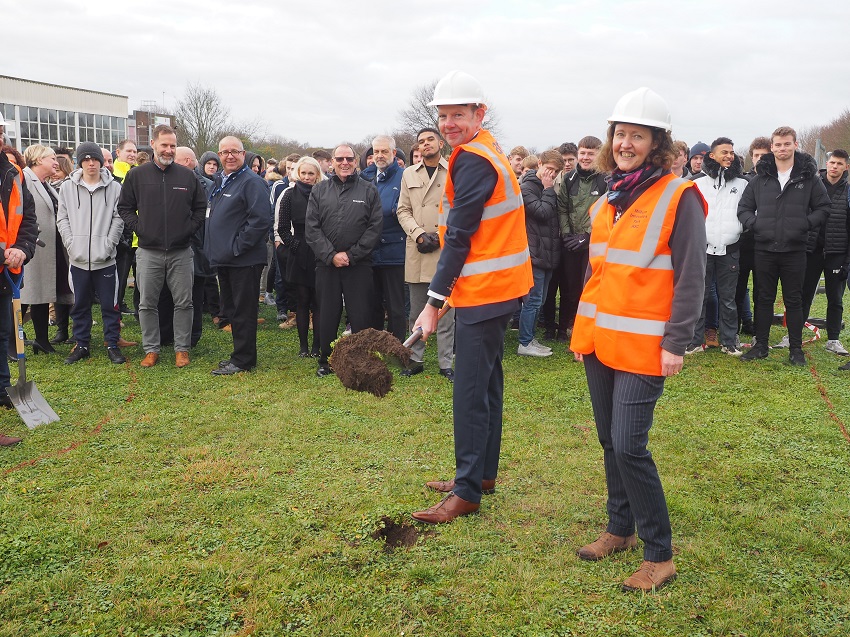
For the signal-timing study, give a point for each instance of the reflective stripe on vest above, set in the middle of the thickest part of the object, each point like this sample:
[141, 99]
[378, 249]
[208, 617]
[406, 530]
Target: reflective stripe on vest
[497, 263]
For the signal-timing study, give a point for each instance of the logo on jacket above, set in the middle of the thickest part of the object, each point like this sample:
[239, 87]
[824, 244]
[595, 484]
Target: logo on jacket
[799, 186]
[357, 201]
[734, 190]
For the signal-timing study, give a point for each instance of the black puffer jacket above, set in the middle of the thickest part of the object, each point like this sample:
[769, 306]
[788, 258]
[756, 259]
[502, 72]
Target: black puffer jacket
[781, 218]
[834, 236]
[541, 222]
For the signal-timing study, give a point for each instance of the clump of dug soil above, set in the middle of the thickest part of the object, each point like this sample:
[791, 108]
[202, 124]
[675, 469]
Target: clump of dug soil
[356, 363]
[398, 534]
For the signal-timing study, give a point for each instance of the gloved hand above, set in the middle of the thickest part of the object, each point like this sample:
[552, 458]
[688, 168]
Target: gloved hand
[579, 241]
[430, 242]
[843, 271]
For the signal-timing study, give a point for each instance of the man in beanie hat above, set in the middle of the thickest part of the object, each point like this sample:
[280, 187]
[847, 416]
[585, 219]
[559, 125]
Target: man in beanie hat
[90, 228]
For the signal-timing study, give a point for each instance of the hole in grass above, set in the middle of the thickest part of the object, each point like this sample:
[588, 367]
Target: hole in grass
[397, 534]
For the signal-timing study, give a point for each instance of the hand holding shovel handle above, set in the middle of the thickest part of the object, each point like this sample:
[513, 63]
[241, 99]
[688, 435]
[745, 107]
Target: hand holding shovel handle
[417, 333]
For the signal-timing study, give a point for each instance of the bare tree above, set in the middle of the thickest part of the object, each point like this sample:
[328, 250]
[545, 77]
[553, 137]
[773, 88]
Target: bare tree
[201, 116]
[419, 115]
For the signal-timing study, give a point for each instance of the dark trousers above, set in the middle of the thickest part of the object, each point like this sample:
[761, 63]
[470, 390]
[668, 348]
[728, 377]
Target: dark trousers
[240, 289]
[746, 263]
[307, 302]
[123, 262]
[104, 283]
[353, 281]
[569, 278]
[5, 339]
[40, 317]
[477, 401]
[388, 281]
[623, 407]
[816, 263]
[723, 270]
[212, 297]
[790, 269]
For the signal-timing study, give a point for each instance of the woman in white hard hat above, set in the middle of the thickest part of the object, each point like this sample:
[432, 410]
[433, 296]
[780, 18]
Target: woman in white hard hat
[635, 319]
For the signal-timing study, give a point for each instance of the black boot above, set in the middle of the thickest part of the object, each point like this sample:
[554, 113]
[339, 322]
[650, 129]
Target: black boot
[61, 337]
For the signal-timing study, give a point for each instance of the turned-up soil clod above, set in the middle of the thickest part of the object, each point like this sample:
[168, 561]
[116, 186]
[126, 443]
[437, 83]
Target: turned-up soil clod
[357, 365]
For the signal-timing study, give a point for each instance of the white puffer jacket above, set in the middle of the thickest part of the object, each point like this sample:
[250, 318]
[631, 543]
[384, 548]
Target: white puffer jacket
[722, 190]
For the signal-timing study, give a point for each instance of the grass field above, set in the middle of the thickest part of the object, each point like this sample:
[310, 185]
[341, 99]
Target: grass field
[170, 502]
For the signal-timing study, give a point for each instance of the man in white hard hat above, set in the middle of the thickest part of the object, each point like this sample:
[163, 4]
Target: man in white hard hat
[484, 269]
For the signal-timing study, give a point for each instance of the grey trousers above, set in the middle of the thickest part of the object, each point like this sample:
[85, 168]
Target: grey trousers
[445, 328]
[153, 268]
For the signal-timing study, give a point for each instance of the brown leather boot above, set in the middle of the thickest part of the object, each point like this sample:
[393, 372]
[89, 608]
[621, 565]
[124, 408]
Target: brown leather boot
[449, 508]
[651, 576]
[605, 545]
[181, 359]
[150, 359]
[488, 487]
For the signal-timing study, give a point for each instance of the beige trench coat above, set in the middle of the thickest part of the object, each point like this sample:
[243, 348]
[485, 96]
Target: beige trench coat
[418, 211]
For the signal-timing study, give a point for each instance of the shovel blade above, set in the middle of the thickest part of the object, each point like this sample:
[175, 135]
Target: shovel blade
[31, 405]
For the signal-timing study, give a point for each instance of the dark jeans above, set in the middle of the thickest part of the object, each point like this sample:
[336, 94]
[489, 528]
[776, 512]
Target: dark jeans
[388, 283]
[240, 289]
[790, 269]
[569, 278]
[104, 282]
[742, 300]
[477, 401]
[723, 269]
[5, 337]
[817, 263]
[353, 281]
[623, 407]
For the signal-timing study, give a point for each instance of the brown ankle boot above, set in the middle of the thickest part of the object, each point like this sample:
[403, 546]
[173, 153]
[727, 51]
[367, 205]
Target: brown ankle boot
[651, 576]
[605, 545]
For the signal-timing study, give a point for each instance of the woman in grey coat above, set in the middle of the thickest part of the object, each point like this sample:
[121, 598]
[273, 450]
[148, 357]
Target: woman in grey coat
[46, 275]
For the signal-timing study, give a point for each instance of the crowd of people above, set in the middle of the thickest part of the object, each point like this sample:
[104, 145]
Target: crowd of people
[637, 251]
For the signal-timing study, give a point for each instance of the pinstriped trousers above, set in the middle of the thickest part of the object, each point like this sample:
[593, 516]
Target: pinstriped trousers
[623, 406]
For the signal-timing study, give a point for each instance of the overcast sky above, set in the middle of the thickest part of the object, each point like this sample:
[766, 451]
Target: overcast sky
[326, 70]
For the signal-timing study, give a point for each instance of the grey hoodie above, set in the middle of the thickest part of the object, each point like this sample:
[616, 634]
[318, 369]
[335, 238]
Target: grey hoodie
[88, 221]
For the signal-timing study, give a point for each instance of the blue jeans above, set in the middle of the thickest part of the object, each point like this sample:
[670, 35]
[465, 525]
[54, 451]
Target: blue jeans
[531, 307]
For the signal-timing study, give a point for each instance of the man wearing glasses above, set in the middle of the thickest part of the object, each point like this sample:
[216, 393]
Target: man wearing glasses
[239, 217]
[343, 226]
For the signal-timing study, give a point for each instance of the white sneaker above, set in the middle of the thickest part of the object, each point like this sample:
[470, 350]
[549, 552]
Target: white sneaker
[732, 351]
[530, 350]
[783, 344]
[836, 348]
[695, 349]
[268, 298]
[539, 345]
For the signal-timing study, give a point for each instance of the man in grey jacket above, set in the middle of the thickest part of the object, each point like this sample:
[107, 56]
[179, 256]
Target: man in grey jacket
[343, 226]
[90, 227]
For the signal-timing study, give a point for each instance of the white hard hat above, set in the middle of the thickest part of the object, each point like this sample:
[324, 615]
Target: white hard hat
[642, 106]
[2, 120]
[457, 87]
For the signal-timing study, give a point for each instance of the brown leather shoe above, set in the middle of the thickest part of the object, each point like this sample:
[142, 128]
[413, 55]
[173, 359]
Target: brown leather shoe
[8, 441]
[181, 359]
[449, 508]
[651, 576]
[488, 487]
[150, 359]
[605, 545]
[227, 328]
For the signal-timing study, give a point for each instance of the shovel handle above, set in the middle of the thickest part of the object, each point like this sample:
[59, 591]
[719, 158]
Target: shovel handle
[417, 333]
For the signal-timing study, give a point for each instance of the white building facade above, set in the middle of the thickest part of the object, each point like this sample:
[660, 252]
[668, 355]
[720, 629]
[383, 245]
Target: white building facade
[52, 115]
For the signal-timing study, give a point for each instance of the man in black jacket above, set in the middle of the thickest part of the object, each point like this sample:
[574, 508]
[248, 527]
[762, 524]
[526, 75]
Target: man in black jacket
[790, 200]
[238, 223]
[344, 222]
[828, 252]
[19, 247]
[164, 204]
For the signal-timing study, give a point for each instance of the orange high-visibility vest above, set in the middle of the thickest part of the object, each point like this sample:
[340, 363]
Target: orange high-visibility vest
[627, 301]
[10, 223]
[498, 266]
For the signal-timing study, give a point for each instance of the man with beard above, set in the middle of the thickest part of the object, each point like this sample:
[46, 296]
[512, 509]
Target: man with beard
[422, 187]
[164, 204]
[722, 187]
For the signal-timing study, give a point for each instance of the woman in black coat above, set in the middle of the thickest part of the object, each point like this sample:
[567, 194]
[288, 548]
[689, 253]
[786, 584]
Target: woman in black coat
[300, 261]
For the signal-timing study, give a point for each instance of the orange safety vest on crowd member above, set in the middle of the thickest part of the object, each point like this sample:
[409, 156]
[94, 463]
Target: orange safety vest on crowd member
[10, 223]
[627, 301]
[498, 266]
